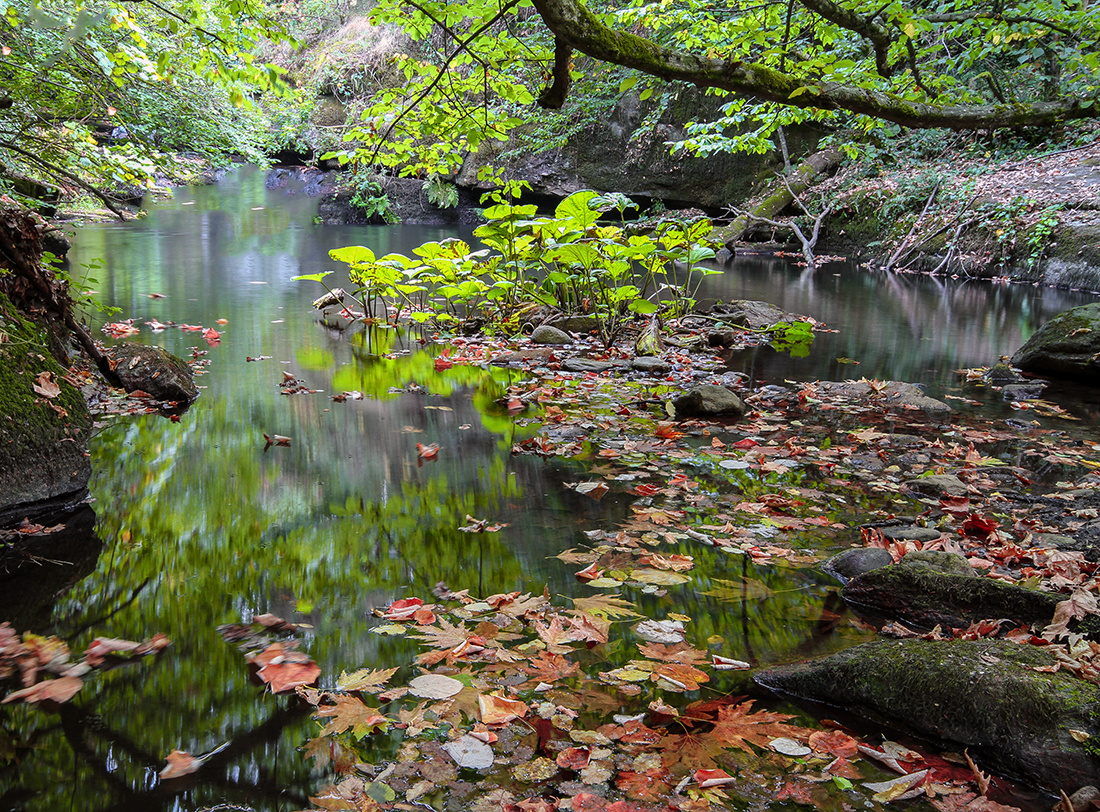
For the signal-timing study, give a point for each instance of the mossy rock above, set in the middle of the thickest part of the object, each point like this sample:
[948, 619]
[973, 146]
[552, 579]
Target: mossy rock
[933, 588]
[155, 371]
[984, 695]
[1067, 346]
[43, 441]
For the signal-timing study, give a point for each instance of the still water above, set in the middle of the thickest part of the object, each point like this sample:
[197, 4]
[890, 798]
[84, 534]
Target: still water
[197, 525]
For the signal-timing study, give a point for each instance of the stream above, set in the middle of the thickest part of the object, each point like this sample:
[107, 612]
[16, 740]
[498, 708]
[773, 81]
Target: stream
[197, 524]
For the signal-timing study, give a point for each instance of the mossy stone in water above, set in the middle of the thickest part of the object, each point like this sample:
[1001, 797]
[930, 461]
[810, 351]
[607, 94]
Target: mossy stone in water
[1066, 346]
[154, 370]
[984, 695]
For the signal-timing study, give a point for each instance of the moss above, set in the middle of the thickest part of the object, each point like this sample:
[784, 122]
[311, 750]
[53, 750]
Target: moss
[42, 449]
[924, 596]
[985, 695]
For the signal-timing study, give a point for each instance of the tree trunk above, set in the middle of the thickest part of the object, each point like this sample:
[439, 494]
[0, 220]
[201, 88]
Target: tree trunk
[783, 195]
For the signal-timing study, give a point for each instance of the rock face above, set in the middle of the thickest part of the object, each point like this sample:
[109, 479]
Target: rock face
[709, 400]
[618, 153]
[43, 435]
[983, 695]
[154, 370]
[1067, 346]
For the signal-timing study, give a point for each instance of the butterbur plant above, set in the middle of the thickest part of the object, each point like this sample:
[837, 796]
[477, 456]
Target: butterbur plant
[571, 262]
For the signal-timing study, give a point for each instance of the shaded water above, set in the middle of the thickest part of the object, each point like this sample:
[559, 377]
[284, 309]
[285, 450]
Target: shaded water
[201, 526]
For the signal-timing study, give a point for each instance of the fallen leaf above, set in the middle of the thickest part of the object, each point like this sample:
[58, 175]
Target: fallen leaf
[61, 689]
[434, 686]
[180, 764]
[496, 710]
[470, 753]
[45, 386]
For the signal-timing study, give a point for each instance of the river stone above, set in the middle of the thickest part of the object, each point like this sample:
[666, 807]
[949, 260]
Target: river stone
[585, 365]
[153, 370]
[43, 440]
[938, 485]
[545, 334]
[651, 364]
[934, 588]
[752, 314]
[910, 533]
[709, 400]
[1066, 346]
[847, 565]
[1001, 373]
[892, 394]
[577, 324]
[1023, 391]
[983, 695]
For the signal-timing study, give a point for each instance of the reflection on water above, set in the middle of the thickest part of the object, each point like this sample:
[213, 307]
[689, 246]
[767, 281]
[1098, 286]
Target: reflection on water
[200, 525]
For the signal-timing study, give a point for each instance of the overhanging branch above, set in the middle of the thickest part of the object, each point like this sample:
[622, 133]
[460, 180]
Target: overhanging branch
[574, 23]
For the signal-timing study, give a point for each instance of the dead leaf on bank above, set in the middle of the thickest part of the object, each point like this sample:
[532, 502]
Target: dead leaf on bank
[45, 386]
[980, 778]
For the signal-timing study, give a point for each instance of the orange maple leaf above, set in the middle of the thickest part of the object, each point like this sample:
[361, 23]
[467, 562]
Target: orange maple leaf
[737, 726]
[351, 713]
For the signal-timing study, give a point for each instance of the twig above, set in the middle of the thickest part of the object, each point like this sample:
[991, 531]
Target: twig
[905, 243]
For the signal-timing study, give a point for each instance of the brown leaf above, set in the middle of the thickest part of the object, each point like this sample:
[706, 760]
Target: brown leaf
[350, 713]
[180, 764]
[45, 386]
[61, 689]
[980, 778]
[496, 710]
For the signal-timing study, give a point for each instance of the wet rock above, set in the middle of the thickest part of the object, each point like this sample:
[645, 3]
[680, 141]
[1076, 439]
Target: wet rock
[709, 400]
[847, 565]
[1066, 346]
[938, 485]
[910, 533]
[721, 338]
[935, 588]
[545, 334]
[43, 437]
[892, 394]
[585, 365]
[155, 371]
[1001, 373]
[752, 314]
[983, 695]
[1017, 392]
[577, 324]
[651, 365]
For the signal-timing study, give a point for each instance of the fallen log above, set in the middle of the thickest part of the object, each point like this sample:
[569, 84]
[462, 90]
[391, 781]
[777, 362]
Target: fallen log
[800, 179]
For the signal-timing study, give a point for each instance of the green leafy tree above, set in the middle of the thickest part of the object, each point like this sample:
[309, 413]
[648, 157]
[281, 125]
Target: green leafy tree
[853, 64]
[92, 92]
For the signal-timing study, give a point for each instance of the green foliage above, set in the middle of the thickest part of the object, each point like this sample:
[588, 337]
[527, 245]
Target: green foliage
[371, 199]
[569, 261]
[440, 192]
[93, 91]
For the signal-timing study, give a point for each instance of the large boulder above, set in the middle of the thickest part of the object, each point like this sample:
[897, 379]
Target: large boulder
[44, 423]
[983, 695]
[1067, 346]
[709, 400]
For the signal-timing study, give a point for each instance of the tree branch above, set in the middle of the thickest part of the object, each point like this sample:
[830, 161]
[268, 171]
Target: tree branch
[572, 21]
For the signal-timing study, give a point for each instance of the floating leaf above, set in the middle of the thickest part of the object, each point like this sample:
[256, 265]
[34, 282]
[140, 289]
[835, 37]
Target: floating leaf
[434, 686]
[470, 753]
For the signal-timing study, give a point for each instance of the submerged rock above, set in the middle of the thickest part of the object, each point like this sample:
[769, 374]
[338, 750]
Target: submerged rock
[651, 364]
[983, 695]
[891, 394]
[43, 431]
[155, 371]
[1067, 346]
[709, 400]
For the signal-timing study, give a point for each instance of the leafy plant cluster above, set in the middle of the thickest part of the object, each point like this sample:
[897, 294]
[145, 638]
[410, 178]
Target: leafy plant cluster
[370, 197]
[570, 262]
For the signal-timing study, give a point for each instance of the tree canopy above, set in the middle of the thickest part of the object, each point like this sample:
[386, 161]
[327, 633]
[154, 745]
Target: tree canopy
[856, 64]
[90, 92]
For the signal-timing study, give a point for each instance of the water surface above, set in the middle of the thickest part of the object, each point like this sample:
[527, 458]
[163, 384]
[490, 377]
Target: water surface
[200, 525]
